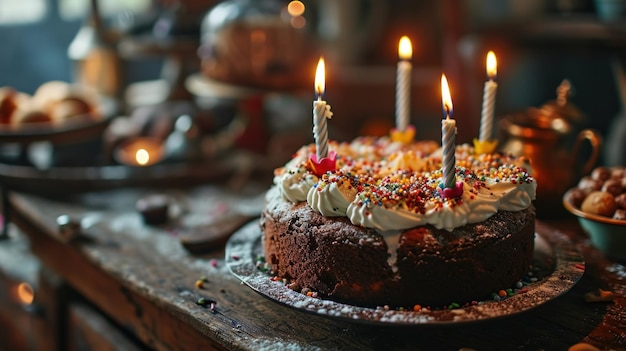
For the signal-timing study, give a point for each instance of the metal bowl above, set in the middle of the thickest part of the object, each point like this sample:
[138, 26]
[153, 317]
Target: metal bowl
[607, 234]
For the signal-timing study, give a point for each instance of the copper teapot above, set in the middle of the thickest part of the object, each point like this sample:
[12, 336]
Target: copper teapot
[548, 137]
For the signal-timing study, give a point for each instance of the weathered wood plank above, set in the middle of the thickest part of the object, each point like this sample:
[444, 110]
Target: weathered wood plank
[145, 280]
[17, 266]
[89, 330]
[49, 307]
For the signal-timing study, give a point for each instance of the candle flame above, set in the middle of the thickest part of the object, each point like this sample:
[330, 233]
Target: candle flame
[405, 50]
[446, 98]
[142, 156]
[492, 65]
[320, 80]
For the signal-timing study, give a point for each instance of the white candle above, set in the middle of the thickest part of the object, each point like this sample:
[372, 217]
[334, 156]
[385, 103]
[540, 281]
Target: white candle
[448, 136]
[321, 112]
[403, 83]
[489, 99]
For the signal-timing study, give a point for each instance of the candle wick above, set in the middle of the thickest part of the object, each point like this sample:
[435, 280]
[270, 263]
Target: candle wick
[319, 96]
[446, 108]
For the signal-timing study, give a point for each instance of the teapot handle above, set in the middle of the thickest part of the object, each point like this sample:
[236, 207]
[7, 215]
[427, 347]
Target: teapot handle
[595, 140]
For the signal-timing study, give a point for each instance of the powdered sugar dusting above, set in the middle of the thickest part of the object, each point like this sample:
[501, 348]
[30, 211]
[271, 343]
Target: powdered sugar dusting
[273, 344]
[618, 269]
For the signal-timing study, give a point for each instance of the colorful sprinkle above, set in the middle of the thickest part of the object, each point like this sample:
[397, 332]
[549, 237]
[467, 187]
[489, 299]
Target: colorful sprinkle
[453, 306]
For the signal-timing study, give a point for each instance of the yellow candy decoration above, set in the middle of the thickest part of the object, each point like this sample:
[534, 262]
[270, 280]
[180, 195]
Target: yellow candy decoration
[485, 147]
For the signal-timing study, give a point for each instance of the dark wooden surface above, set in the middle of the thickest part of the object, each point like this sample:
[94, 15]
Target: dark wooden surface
[17, 266]
[88, 330]
[144, 280]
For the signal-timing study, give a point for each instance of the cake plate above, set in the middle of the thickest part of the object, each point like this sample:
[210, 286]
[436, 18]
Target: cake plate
[557, 266]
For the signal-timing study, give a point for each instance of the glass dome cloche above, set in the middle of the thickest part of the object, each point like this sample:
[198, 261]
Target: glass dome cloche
[257, 43]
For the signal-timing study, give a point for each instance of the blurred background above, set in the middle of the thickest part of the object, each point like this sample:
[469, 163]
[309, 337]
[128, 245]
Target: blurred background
[159, 51]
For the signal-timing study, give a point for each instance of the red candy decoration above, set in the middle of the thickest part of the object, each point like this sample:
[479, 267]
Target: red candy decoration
[325, 164]
[451, 193]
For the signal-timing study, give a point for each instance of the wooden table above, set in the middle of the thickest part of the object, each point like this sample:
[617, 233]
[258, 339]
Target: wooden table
[145, 281]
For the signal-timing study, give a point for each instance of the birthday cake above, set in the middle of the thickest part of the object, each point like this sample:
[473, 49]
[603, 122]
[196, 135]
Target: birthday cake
[377, 229]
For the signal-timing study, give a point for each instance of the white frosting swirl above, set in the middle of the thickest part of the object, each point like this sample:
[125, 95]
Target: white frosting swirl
[381, 218]
[473, 207]
[330, 199]
[517, 198]
[295, 185]
[381, 185]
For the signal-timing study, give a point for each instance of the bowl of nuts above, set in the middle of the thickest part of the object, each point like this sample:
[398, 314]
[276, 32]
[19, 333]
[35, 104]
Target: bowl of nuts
[599, 202]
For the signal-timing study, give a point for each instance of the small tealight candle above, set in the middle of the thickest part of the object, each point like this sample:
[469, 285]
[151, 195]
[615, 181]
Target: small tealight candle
[140, 151]
[489, 99]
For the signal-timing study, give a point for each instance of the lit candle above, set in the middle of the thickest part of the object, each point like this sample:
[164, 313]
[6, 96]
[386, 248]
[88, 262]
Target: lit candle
[142, 156]
[448, 135]
[403, 83]
[140, 151]
[321, 112]
[489, 99]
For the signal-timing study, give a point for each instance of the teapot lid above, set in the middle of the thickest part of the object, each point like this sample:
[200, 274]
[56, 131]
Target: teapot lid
[555, 118]
[561, 108]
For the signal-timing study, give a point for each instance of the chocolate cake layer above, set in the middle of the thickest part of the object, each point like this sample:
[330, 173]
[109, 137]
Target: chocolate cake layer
[433, 267]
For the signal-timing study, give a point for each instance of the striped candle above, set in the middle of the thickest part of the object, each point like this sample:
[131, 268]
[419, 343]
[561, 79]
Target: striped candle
[321, 112]
[489, 99]
[448, 136]
[320, 128]
[403, 83]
